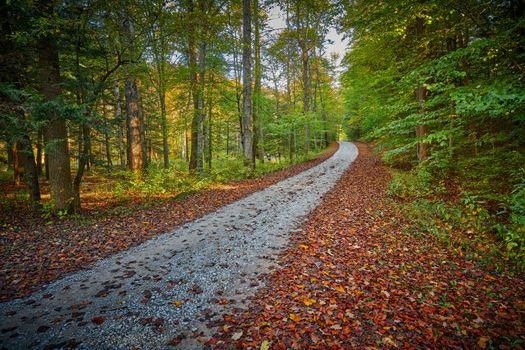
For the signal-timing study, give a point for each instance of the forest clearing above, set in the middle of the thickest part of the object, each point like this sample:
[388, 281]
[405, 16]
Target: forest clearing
[262, 174]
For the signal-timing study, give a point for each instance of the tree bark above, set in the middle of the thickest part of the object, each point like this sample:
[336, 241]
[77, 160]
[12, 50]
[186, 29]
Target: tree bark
[9, 151]
[39, 153]
[18, 165]
[258, 132]
[192, 62]
[421, 93]
[118, 121]
[249, 158]
[135, 148]
[200, 105]
[56, 135]
[83, 159]
[26, 158]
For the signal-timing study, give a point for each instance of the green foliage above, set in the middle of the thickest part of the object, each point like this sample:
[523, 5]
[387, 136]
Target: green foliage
[470, 64]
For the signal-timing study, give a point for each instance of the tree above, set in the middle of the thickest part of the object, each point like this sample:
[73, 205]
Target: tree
[249, 158]
[56, 134]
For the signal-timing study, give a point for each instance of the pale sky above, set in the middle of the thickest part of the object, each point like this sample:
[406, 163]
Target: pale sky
[277, 21]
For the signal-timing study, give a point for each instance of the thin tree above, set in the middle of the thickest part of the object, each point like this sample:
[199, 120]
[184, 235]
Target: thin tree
[249, 159]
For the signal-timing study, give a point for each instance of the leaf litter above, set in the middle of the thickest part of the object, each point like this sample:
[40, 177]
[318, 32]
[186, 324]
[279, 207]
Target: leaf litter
[353, 277]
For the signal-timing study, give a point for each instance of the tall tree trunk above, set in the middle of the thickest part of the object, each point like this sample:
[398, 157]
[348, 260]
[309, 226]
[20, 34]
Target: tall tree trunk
[108, 149]
[83, 159]
[135, 147]
[107, 146]
[208, 125]
[57, 149]
[192, 62]
[200, 104]
[164, 125]
[288, 55]
[249, 158]
[258, 137]
[9, 151]
[421, 93]
[46, 158]
[143, 141]
[18, 165]
[134, 118]
[31, 172]
[26, 158]
[39, 153]
[306, 98]
[119, 122]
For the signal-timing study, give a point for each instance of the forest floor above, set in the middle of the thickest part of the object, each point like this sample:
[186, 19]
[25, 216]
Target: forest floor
[170, 287]
[35, 250]
[357, 276]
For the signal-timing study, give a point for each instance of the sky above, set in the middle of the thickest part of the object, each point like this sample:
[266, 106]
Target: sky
[277, 20]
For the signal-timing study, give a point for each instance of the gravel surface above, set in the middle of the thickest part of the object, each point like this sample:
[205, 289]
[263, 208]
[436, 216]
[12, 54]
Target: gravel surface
[172, 288]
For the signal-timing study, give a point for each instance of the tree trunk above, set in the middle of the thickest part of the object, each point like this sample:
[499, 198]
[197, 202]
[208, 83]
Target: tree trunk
[134, 127]
[200, 105]
[249, 158]
[258, 137]
[18, 165]
[164, 124]
[143, 142]
[57, 149]
[306, 98]
[208, 125]
[26, 158]
[118, 121]
[192, 62]
[9, 151]
[39, 153]
[83, 159]
[421, 93]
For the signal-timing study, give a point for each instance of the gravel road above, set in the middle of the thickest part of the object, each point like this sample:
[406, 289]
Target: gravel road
[176, 285]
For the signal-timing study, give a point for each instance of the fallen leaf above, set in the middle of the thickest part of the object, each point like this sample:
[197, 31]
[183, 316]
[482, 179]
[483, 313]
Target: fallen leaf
[237, 336]
[265, 345]
[295, 318]
[309, 301]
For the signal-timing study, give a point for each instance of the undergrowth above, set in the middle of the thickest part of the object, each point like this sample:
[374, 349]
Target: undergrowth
[177, 181]
[488, 229]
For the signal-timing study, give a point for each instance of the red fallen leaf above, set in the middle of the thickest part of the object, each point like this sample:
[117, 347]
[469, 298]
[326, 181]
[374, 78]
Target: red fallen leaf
[176, 341]
[212, 341]
[98, 320]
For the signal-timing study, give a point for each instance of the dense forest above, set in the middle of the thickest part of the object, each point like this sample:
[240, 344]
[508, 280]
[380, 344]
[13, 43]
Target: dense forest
[162, 96]
[439, 87]
[167, 90]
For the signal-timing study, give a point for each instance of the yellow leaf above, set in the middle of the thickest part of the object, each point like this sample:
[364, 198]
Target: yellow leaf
[340, 288]
[295, 318]
[265, 345]
[309, 302]
[303, 246]
[482, 342]
[177, 303]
